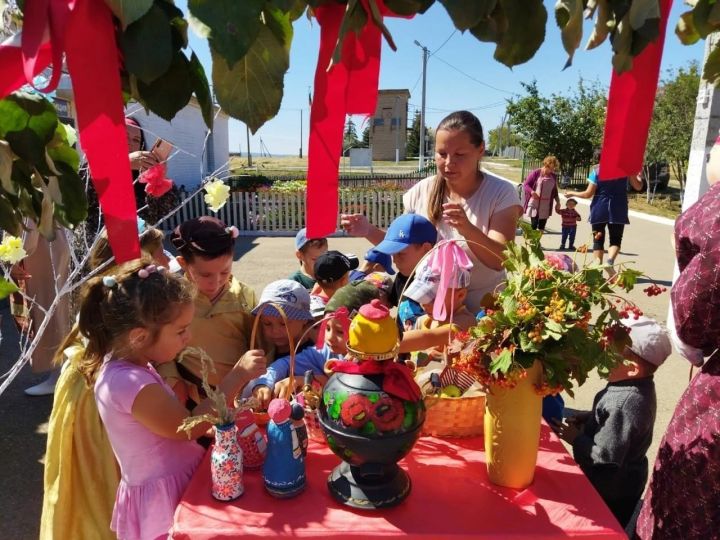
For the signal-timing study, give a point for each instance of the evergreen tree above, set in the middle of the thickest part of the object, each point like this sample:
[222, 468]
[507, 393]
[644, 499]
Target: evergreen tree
[366, 137]
[413, 138]
[350, 139]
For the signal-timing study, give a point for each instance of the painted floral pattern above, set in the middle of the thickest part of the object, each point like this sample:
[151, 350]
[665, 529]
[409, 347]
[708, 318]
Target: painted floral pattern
[226, 464]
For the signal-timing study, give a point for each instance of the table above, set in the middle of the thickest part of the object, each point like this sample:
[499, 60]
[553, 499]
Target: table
[451, 498]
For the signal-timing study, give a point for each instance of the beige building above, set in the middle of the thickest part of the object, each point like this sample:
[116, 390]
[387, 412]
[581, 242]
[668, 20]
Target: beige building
[388, 135]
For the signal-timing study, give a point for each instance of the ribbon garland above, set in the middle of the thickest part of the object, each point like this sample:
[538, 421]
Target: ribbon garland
[85, 31]
[629, 110]
[349, 87]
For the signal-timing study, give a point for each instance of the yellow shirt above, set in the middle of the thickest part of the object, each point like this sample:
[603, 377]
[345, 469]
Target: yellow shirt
[222, 329]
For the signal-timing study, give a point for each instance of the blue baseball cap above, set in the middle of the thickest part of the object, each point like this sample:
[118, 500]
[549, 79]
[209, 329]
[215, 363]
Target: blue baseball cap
[383, 259]
[301, 239]
[405, 230]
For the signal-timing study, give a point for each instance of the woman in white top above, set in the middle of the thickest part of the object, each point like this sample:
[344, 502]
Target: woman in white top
[462, 202]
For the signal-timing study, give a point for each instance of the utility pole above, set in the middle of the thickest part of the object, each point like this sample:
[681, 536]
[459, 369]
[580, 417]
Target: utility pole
[300, 134]
[423, 146]
[247, 134]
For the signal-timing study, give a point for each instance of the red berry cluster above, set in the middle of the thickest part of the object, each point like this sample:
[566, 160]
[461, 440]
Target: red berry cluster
[582, 290]
[610, 333]
[544, 389]
[654, 290]
[631, 311]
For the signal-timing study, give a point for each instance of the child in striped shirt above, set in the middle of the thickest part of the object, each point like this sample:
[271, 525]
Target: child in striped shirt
[570, 217]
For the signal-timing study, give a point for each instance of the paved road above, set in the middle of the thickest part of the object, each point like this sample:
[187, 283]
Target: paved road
[261, 260]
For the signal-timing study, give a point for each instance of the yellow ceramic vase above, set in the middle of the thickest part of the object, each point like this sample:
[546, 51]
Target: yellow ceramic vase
[512, 431]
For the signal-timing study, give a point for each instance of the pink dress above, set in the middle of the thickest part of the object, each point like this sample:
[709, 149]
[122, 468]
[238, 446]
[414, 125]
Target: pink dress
[154, 470]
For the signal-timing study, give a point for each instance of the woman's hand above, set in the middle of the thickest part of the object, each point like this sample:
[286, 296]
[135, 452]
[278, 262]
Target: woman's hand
[355, 224]
[558, 207]
[263, 395]
[142, 160]
[455, 216]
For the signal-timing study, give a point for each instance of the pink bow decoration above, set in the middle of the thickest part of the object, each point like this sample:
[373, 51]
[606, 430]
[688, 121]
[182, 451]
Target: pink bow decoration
[447, 259]
[157, 184]
[342, 315]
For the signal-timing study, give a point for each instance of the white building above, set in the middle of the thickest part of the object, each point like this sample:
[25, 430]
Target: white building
[190, 161]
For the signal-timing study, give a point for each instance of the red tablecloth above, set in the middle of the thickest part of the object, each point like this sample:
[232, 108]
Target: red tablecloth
[451, 498]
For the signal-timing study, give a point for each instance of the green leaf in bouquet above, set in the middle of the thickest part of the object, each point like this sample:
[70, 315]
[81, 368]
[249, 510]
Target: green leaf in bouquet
[146, 45]
[627, 278]
[408, 7]
[169, 93]
[231, 27]
[252, 90]
[527, 344]
[28, 123]
[509, 307]
[7, 288]
[525, 31]
[467, 13]
[553, 329]
[569, 18]
[201, 88]
[10, 220]
[501, 362]
[74, 207]
[129, 11]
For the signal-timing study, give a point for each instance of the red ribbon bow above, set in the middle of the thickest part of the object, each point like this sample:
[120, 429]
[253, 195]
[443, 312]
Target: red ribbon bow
[349, 87]
[398, 379]
[85, 31]
[342, 315]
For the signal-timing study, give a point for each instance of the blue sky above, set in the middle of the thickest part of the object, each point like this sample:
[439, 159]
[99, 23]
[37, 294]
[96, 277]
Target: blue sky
[447, 88]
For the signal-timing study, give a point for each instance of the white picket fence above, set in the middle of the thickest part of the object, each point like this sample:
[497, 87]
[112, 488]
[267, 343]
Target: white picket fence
[264, 213]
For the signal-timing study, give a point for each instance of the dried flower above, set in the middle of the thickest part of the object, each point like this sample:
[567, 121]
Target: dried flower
[11, 250]
[223, 414]
[216, 194]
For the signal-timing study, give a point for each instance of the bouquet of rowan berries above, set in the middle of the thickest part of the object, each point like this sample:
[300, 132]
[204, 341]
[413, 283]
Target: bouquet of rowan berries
[566, 317]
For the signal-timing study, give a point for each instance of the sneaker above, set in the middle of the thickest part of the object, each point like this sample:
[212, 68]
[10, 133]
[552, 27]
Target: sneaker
[45, 388]
[610, 268]
[561, 248]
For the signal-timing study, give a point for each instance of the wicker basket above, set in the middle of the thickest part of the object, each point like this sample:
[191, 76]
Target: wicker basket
[454, 417]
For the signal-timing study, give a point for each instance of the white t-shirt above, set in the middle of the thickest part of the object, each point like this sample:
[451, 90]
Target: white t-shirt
[494, 195]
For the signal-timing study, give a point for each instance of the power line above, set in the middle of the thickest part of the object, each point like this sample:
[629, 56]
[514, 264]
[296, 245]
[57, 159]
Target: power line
[476, 80]
[444, 42]
[478, 108]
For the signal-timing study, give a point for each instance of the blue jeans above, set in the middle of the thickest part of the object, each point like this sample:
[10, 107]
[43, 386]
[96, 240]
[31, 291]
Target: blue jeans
[568, 233]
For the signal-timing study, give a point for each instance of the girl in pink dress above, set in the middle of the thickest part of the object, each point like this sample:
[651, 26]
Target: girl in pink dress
[132, 320]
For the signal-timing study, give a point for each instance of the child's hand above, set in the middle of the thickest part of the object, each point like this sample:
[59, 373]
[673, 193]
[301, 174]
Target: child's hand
[252, 363]
[579, 419]
[263, 395]
[355, 224]
[558, 207]
[566, 431]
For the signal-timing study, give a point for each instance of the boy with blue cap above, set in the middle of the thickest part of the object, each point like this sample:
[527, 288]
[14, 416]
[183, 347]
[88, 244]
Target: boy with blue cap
[408, 239]
[374, 262]
[307, 250]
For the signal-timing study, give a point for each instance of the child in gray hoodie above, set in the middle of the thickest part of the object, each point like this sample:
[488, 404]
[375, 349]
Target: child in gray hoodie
[610, 442]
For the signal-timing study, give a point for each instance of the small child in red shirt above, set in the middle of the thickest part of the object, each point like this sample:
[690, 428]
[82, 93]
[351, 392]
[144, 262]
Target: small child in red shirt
[570, 217]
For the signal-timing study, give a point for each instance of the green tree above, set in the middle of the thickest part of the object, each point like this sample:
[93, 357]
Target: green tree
[366, 136]
[673, 118]
[350, 138]
[501, 137]
[412, 147]
[569, 127]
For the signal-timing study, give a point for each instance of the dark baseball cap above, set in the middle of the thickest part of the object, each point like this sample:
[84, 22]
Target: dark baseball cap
[333, 265]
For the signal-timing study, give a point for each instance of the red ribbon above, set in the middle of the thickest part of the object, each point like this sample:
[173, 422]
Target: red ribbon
[342, 315]
[349, 87]
[630, 106]
[398, 379]
[85, 30]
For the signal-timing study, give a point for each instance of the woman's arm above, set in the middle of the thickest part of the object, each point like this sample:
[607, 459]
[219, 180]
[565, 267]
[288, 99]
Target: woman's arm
[488, 248]
[636, 182]
[358, 225]
[589, 192]
[419, 340]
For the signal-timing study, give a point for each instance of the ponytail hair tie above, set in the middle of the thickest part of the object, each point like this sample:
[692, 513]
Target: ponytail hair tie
[144, 273]
[232, 231]
[109, 281]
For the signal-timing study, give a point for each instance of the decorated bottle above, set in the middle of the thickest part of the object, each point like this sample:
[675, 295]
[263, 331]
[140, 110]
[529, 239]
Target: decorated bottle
[226, 464]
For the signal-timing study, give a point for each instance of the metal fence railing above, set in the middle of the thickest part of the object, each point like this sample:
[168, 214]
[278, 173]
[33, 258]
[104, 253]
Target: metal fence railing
[578, 178]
